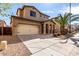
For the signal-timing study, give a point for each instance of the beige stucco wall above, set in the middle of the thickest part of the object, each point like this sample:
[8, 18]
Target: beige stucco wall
[26, 14]
[49, 23]
[17, 21]
[57, 27]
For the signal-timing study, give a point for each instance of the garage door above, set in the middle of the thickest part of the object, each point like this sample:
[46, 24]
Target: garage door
[27, 29]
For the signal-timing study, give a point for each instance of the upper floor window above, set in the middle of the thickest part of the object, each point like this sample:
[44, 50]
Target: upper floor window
[32, 13]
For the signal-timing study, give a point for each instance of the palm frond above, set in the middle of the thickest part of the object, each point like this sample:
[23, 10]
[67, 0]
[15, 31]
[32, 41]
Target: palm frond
[75, 19]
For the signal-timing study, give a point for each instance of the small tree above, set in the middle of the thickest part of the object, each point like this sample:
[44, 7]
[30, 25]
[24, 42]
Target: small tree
[4, 8]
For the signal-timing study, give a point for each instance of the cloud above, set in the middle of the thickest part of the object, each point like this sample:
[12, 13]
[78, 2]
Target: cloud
[48, 11]
[74, 10]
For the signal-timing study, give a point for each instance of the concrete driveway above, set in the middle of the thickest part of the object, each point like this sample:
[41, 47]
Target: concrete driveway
[50, 46]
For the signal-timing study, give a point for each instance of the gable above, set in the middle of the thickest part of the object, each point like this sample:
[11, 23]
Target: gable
[34, 8]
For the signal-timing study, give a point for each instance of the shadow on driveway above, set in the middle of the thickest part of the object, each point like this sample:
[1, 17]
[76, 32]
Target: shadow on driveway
[16, 39]
[30, 37]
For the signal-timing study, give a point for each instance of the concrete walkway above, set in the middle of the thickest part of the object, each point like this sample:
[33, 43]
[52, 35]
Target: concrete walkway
[50, 47]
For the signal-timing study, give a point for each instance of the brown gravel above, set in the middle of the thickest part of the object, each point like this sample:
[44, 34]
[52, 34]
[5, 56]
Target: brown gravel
[15, 47]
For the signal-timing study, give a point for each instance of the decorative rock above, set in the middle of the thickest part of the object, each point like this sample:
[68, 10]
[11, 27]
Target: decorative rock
[4, 44]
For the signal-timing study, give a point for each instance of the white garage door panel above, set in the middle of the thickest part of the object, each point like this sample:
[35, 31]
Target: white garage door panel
[27, 29]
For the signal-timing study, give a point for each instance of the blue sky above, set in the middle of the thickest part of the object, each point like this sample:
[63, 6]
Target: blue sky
[51, 9]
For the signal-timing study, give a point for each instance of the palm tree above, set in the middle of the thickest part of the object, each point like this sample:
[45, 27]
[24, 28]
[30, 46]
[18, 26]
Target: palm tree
[65, 20]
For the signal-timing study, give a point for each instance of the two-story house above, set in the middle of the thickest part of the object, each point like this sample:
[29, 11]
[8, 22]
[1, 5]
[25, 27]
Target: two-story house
[29, 20]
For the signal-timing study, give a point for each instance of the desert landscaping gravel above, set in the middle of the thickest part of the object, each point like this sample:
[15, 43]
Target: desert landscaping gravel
[15, 47]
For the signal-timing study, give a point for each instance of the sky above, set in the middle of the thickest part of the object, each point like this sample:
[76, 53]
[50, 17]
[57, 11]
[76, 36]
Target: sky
[51, 9]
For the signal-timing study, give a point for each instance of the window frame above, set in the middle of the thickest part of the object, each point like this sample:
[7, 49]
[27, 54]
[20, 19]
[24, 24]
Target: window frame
[33, 13]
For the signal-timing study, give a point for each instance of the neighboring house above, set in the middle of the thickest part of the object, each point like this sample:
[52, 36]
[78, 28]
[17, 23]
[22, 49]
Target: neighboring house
[29, 20]
[2, 23]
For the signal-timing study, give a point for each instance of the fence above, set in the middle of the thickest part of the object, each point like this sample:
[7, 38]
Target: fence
[5, 31]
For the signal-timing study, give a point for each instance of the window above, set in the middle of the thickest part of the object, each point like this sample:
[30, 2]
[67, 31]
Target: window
[32, 13]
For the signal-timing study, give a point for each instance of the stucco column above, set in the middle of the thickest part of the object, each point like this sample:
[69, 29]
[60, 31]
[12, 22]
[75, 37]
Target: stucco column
[13, 30]
[48, 28]
[40, 31]
[44, 28]
[52, 29]
[12, 26]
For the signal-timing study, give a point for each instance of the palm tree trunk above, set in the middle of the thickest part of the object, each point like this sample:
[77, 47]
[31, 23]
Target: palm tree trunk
[62, 29]
[69, 28]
